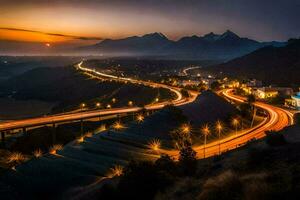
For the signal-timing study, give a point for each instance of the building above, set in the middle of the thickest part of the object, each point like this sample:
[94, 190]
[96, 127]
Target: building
[265, 92]
[189, 82]
[254, 83]
[296, 101]
[271, 92]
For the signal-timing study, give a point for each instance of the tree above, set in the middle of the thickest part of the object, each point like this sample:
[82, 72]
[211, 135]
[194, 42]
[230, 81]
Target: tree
[215, 85]
[251, 99]
[188, 161]
[185, 93]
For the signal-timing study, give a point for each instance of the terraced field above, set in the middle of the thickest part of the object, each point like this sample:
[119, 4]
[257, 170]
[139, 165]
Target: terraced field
[76, 165]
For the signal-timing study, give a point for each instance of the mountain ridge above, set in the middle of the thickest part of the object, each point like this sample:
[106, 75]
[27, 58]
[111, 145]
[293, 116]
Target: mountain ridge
[227, 45]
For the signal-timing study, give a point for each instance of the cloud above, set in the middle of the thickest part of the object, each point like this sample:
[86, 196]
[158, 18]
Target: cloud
[51, 34]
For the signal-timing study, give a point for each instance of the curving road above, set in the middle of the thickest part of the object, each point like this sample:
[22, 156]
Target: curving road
[277, 119]
[52, 119]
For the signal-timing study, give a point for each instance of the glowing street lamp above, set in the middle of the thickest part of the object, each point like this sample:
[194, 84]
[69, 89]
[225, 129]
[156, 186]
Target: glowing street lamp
[185, 129]
[140, 118]
[114, 100]
[235, 122]
[108, 106]
[118, 125]
[155, 144]
[117, 170]
[219, 128]
[82, 106]
[38, 153]
[156, 99]
[98, 105]
[130, 103]
[205, 131]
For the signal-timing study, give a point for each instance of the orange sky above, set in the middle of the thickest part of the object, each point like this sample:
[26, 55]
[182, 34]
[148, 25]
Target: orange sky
[256, 19]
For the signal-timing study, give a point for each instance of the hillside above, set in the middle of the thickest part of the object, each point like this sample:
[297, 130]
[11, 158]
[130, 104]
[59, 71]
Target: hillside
[208, 108]
[273, 65]
[69, 88]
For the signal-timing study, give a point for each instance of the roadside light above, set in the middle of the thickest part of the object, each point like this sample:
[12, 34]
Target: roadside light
[185, 128]
[155, 144]
[118, 125]
[82, 105]
[205, 130]
[98, 104]
[219, 126]
[108, 106]
[130, 103]
[140, 118]
[156, 99]
[114, 100]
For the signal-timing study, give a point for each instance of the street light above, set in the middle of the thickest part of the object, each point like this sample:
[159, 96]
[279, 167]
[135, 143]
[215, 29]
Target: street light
[205, 131]
[118, 125]
[156, 99]
[114, 100]
[82, 106]
[140, 118]
[155, 144]
[219, 129]
[130, 103]
[185, 128]
[98, 105]
[235, 122]
[108, 106]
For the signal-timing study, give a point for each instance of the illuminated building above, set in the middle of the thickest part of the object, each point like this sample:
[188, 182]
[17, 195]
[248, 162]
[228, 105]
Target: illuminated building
[296, 101]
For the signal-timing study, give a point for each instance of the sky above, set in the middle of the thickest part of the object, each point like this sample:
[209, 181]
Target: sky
[87, 21]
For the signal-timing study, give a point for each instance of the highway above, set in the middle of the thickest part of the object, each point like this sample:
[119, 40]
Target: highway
[277, 119]
[189, 68]
[52, 119]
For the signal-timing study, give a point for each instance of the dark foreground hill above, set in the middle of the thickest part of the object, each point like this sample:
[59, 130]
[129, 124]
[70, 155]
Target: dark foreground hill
[273, 65]
[265, 169]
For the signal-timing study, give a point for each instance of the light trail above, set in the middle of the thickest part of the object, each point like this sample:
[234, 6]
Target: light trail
[277, 119]
[189, 68]
[65, 117]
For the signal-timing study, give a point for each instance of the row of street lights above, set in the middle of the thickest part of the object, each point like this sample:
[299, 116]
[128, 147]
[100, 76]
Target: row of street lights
[206, 131]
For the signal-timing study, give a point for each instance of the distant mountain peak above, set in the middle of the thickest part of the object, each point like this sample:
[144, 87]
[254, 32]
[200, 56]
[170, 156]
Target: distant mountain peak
[155, 35]
[229, 34]
[211, 36]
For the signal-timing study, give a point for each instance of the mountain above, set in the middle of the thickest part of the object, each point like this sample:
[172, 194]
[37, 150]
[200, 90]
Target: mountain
[147, 44]
[210, 46]
[273, 65]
